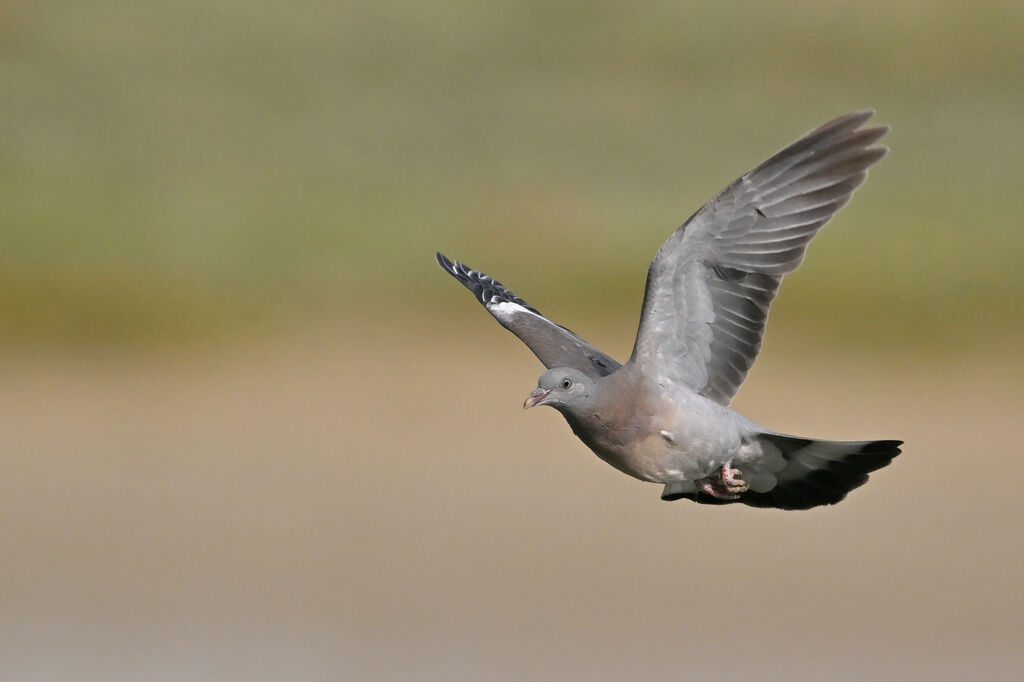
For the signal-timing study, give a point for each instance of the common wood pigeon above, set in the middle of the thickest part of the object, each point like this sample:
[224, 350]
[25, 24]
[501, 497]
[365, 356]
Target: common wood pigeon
[664, 416]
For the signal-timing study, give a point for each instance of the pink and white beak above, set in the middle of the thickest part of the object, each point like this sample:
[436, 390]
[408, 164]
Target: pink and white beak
[536, 398]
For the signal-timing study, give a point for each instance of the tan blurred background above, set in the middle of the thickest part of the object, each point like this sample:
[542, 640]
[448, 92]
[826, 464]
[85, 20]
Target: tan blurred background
[250, 431]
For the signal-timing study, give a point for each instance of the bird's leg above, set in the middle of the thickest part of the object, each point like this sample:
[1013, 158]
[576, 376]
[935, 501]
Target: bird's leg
[726, 485]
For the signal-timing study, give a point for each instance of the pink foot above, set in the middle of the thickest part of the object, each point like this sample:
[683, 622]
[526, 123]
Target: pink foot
[727, 485]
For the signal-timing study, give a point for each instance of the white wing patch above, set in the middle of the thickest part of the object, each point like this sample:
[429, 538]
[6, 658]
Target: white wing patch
[506, 310]
[552, 343]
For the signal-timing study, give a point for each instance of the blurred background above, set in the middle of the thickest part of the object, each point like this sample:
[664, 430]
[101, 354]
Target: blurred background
[250, 431]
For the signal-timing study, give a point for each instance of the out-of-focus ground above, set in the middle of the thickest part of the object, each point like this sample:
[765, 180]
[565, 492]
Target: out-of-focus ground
[378, 507]
[249, 430]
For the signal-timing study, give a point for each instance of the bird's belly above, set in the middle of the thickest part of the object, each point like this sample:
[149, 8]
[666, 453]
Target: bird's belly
[657, 460]
[677, 443]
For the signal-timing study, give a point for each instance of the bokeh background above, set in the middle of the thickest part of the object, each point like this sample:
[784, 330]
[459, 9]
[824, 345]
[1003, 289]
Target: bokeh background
[250, 431]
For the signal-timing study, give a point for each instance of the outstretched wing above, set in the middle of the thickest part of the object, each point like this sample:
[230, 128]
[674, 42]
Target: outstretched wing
[711, 284]
[555, 345]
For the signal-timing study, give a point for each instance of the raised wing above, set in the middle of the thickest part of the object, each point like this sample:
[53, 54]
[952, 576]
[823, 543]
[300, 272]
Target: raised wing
[711, 284]
[555, 345]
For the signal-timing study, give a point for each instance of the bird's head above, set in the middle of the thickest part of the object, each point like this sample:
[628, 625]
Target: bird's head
[563, 388]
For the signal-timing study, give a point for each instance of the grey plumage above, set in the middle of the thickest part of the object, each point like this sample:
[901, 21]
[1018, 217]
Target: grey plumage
[711, 284]
[664, 416]
[553, 344]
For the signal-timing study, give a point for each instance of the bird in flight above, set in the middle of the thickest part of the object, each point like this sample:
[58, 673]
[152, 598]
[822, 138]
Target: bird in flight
[664, 416]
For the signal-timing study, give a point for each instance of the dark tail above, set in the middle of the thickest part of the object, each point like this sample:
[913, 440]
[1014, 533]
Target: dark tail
[817, 472]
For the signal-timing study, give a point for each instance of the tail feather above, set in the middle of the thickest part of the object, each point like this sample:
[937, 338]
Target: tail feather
[817, 472]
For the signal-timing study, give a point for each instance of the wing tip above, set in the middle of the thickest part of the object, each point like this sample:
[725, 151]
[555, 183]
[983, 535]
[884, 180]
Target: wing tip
[857, 117]
[883, 447]
[873, 155]
[454, 268]
[848, 123]
[488, 291]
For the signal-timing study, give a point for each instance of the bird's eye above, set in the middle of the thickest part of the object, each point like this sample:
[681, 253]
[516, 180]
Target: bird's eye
[566, 383]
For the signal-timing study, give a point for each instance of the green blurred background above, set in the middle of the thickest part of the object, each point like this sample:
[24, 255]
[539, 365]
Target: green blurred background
[183, 170]
[253, 432]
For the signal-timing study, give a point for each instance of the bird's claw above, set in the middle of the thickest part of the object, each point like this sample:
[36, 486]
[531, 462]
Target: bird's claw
[726, 485]
[733, 479]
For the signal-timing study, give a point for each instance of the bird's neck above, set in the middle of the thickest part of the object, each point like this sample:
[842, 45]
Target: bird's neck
[608, 417]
